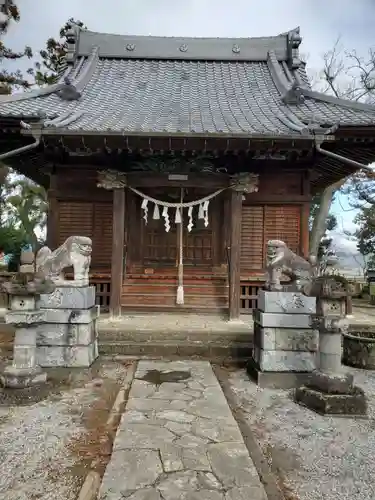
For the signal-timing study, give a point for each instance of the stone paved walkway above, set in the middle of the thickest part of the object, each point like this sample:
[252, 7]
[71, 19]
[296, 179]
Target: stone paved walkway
[178, 440]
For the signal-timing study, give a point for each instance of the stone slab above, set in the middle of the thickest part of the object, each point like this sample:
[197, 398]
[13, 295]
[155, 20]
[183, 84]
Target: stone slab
[276, 380]
[75, 316]
[19, 378]
[284, 361]
[65, 334]
[348, 405]
[25, 317]
[68, 298]
[78, 356]
[179, 440]
[280, 320]
[286, 339]
[286, 302]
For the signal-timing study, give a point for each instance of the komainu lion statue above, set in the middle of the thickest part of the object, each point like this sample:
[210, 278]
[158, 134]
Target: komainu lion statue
[76, 252]
[281, 261]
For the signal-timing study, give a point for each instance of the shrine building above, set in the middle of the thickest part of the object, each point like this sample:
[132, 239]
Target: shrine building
[181, 158]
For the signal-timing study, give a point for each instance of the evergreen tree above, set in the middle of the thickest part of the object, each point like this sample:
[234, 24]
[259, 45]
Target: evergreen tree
[9, 13]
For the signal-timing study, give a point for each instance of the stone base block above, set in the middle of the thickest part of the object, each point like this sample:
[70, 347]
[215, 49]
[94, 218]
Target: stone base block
[276, 380]
[77, 356]
[55, 334]
[331, 383]
[286, 302]
[76, 316]
[19, 378]
[284, 361]
[286, 339]
[281, 320]
[345, 405]
[68, 298]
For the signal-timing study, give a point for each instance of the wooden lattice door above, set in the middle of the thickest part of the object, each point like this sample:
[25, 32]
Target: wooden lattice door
[197, 242]
[159, 247]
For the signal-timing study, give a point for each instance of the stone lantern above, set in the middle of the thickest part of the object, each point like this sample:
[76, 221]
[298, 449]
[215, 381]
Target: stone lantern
[330, 389]
[24, 291]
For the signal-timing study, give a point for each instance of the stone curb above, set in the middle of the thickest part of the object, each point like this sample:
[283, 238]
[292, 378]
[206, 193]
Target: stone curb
[91, 485]
[266, 476]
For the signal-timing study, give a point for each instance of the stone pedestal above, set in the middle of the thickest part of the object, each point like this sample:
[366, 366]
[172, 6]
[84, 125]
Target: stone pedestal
[24, 371]
[330, 390]
[285, 345]
[68, 338]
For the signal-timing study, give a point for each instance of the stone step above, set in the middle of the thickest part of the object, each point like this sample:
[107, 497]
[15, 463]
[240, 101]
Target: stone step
[214, 351]
[108, 334]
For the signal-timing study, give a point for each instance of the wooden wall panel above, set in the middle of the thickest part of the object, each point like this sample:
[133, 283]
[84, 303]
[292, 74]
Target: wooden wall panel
[280, 183]
[92, 219]
[75, 219]
[252, 237]
[283, 223]
[261, 223]
[102, 234]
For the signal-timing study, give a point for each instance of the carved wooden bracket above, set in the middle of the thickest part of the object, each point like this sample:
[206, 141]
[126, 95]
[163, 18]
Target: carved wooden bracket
[111, 179]
[245, 182]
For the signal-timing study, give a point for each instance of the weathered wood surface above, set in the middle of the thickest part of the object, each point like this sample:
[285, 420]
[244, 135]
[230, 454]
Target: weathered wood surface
[117, 263]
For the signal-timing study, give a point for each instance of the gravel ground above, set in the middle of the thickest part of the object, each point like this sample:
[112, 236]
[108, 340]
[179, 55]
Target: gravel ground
[46, 446]
[314, 457]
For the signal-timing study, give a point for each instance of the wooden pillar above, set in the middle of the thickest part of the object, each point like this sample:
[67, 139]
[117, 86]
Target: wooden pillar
[52, 214]
[235, 254]
[117, 264]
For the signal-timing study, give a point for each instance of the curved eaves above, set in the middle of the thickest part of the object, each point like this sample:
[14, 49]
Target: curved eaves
[77, 82]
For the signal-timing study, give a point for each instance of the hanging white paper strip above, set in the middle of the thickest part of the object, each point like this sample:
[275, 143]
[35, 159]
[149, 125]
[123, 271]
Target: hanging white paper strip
[200, 211]
[144, 207]
[156, 215]
[177, 218]
[190, 217]
[165, 215]
[205, 212]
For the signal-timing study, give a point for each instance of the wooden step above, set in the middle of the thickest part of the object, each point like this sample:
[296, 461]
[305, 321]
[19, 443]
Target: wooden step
[174, 276]
[171, 280]
[171, 288]
[169, 299]
[162, 308]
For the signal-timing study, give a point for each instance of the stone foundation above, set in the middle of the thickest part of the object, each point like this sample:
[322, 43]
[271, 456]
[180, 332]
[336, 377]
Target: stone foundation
[351, 404]
[68, 338]
[284, 343]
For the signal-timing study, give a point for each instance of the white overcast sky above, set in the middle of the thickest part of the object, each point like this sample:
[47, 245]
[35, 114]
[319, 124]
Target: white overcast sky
[321, 22]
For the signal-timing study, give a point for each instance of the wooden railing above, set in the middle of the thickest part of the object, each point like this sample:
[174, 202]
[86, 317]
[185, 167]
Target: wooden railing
[102, 283]
[249, 295]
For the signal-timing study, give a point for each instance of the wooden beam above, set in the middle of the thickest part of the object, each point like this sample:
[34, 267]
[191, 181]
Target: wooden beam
[147, 179]
[117, 264]
[235, 254]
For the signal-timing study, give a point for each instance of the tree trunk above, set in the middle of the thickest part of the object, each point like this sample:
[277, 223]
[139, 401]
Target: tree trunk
[319, 226]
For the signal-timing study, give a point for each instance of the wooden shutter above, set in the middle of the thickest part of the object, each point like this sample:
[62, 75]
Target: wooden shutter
[283, 222]
[263, 223]
[102, 234]
[88, 219]
[75, 219]
[252, 237]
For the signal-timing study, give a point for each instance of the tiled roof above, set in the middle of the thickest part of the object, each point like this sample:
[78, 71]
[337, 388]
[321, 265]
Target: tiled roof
[149, 85]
